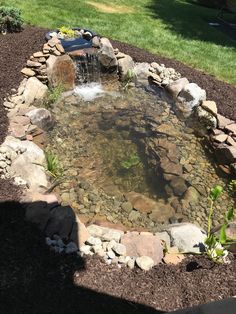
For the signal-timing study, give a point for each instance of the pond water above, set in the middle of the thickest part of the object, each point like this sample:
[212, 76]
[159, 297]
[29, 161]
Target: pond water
[128, 159]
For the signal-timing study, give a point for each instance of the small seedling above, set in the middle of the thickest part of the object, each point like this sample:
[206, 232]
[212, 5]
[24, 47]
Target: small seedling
[129, 78]
[54, 94]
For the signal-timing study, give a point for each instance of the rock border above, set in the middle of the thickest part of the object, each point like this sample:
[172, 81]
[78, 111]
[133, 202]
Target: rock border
[23, 160]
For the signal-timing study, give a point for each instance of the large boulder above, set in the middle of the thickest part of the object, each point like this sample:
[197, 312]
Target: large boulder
[42, 118]
[35, 91]
[191, 96]
[124, 65]
[176, 87]
[187, 237]
[106, 55]
[32, 173]
[141, 71]
[61, 71]
[143, 244]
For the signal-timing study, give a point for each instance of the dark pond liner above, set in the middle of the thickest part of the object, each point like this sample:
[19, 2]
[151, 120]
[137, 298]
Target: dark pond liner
[73, 44]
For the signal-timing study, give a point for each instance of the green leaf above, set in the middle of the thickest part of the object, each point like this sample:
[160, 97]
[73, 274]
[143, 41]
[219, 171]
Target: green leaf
[230, 214]
[216, 192]
[223, 237]
[211, 241]
[219, 252]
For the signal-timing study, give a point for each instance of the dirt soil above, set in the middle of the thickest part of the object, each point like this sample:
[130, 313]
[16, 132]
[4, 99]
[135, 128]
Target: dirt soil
[35, 280]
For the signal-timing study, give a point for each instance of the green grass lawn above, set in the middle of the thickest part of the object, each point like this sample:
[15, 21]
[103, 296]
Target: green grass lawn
[176, 29]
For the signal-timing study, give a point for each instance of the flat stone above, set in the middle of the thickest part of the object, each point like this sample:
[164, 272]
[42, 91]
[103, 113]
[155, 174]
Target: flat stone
[226, 154]
[23, 120]
[9, 105]
[106, 234]
[33, 64]
[230, 141]
[60, 48]
[162, 213]
[144, 262]
[175, 87]
[119, 249]
[164, 237]
[223, 122]
[210, 106]
[38, 54]
[143, 244]
[231, 128]
[178, 184]
[173, 258]
[187, 237]
[127, 206]
[52, 42]
[28, 72]
[220, 138]
[206, 118]
[170, 167]
[17, 130]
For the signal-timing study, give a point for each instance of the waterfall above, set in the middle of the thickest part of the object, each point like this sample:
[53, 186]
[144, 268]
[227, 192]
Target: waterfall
[88, 69]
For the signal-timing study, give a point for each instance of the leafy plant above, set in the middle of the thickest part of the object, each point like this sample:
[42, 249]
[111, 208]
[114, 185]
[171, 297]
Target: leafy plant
[215, 245]
[52, 165]
[10, 19]
[54, 94]
[133, 161]
[130, 75]
[67, 32]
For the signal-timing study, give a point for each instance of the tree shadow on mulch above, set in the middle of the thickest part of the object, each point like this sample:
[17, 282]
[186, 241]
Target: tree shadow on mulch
[34, 279]
[189, 20]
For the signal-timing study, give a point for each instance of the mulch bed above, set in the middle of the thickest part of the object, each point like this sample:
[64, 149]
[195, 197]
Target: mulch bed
[35, 280]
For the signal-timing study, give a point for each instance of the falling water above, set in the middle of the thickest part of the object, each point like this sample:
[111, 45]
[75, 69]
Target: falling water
[88, 69]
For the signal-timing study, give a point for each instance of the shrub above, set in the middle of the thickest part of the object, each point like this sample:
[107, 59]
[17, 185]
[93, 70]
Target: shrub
[10, 19]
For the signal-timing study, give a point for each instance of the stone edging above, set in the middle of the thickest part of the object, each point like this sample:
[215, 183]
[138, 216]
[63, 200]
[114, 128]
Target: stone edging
[22, 159]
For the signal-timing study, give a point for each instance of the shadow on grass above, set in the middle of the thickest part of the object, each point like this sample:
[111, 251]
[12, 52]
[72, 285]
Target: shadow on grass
[34, 279]
[189, 20]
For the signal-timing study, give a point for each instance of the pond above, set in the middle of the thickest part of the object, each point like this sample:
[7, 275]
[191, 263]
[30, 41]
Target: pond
[129, 160]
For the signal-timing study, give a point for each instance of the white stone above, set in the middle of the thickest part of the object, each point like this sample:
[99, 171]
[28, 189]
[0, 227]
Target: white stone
[86, 249]
[35, 91]
[144, 262]
[187, 237]
[131, 263]
[105, 233]
[111, 254]
[93, 241]
[119, 249]
[192, 95]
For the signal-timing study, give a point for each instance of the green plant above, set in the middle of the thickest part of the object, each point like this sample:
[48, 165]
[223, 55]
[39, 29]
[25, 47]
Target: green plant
[67, 32]
[216, 245]
[129, 78]
[10, 19]
[54, 94]
[52, 165]
[133, 161]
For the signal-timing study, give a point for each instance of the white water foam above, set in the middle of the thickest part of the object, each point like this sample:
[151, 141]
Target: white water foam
[89, 91]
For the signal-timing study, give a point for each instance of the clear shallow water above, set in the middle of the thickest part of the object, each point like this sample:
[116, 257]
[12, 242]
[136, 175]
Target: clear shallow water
[96, 138]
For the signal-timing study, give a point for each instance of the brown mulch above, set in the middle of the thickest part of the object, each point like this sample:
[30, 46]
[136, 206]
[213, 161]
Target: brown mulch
[222, 93]
[35, 280]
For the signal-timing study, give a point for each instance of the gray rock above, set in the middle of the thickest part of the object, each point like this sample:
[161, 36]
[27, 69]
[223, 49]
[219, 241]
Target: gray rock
[134, 215]
[42, 118]
[124, 65]
[111, 254]
[93, 241]
[9, 104]
[206, 118]
[35, 91]
[106, 55]
[85, 249]
[144, 262]
[142, 73]
[175, 87]
[131, 263]
[187, 237]
[119, 249]
[178, 185]
[191, 96]
[164, 237]
[71, 248]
